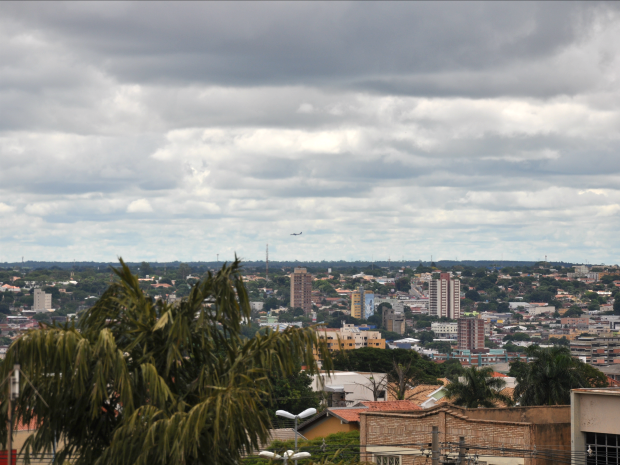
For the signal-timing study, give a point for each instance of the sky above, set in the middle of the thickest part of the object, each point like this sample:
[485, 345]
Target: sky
[187, 131]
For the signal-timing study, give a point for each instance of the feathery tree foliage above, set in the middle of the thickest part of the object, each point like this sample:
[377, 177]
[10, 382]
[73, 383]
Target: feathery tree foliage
[145, 382]
[549, 379]
[477, 389]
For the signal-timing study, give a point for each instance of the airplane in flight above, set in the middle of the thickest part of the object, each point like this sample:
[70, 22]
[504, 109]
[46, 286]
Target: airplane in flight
[297, 234]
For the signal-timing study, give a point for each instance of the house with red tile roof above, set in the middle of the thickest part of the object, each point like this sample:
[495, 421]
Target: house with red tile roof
[344, 419]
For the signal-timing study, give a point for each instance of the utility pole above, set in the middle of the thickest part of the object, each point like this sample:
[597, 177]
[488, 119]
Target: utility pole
[435, 446]
[267, 264]
[461, 459]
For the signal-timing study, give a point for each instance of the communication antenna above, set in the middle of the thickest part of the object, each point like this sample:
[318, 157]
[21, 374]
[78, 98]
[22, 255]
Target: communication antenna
[267, 264]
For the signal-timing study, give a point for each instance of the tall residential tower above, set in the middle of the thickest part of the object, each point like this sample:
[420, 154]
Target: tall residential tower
[301, 290]
[362, 303]
[471, 333]
[445, 297]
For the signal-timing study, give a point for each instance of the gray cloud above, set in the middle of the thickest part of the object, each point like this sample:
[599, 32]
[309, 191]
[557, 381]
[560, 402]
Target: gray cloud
[178, 131]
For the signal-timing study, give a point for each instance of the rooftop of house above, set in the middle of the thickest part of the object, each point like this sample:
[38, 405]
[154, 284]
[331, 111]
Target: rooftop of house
[352, 414]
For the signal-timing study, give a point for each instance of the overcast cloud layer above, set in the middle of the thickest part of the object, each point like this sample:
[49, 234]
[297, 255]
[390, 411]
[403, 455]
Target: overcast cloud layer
[177, 130]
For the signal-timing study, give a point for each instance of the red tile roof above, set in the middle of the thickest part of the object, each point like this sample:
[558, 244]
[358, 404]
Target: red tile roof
[499, 375]
[353, 414]
[348, 414]
[612, 382]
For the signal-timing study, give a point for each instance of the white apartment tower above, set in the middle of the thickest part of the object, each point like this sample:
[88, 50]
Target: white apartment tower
[42, 301]
[445, 297]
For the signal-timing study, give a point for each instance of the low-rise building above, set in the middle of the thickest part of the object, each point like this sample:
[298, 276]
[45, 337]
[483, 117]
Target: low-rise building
[595, 433]
[599, 351]
[256, 306]
[345, 419]
[394, 320]
[448, 330]
[346, 388]
[481, 357]
[351, 337]
[518, 435]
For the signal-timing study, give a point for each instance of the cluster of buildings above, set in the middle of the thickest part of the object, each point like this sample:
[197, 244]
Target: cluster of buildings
[442, 300]
[407, 432]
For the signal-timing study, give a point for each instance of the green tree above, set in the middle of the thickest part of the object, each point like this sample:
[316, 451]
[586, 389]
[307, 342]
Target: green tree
[371, 359]
[517, 368]
[403, 284]
[184, 271]
[472, 295]
[549, 379]
[444, 347]
[562, 341]
[426, 337]
[452, 369]
[594, 377]
[478, 389]
[146, 382]
[292, 393]
[145, 269]
[573, 312]
[517, 337]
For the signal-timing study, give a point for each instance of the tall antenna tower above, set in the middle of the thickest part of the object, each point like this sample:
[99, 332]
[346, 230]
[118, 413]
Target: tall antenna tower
[267, 264]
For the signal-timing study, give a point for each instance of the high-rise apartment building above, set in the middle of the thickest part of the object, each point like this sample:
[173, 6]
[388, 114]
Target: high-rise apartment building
[301, 290]
[362, 303]
[42, 301]
[445, 297]
[470, 333]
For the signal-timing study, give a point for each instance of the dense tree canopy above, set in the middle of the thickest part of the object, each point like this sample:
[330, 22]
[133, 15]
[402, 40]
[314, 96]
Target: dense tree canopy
[145, 382]
[374, 360]
[549, 379]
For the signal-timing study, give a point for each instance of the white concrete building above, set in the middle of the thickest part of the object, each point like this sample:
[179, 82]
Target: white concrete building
[350, 387]
[445, 330]
[445, 297]
[256, 306]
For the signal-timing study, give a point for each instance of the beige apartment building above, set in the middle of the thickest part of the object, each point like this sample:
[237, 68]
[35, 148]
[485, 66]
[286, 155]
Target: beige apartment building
[350, 337]
[301, 289]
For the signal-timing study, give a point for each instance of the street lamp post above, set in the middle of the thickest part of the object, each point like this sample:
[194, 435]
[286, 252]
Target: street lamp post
[305, 414]
[289, 454]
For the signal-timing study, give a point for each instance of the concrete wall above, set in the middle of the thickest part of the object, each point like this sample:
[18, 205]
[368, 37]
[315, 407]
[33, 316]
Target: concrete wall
[520, 429]
[537, 415]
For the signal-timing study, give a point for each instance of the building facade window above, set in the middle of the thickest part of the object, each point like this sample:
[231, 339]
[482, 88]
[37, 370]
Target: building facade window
[604, 448]
[387, 459]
